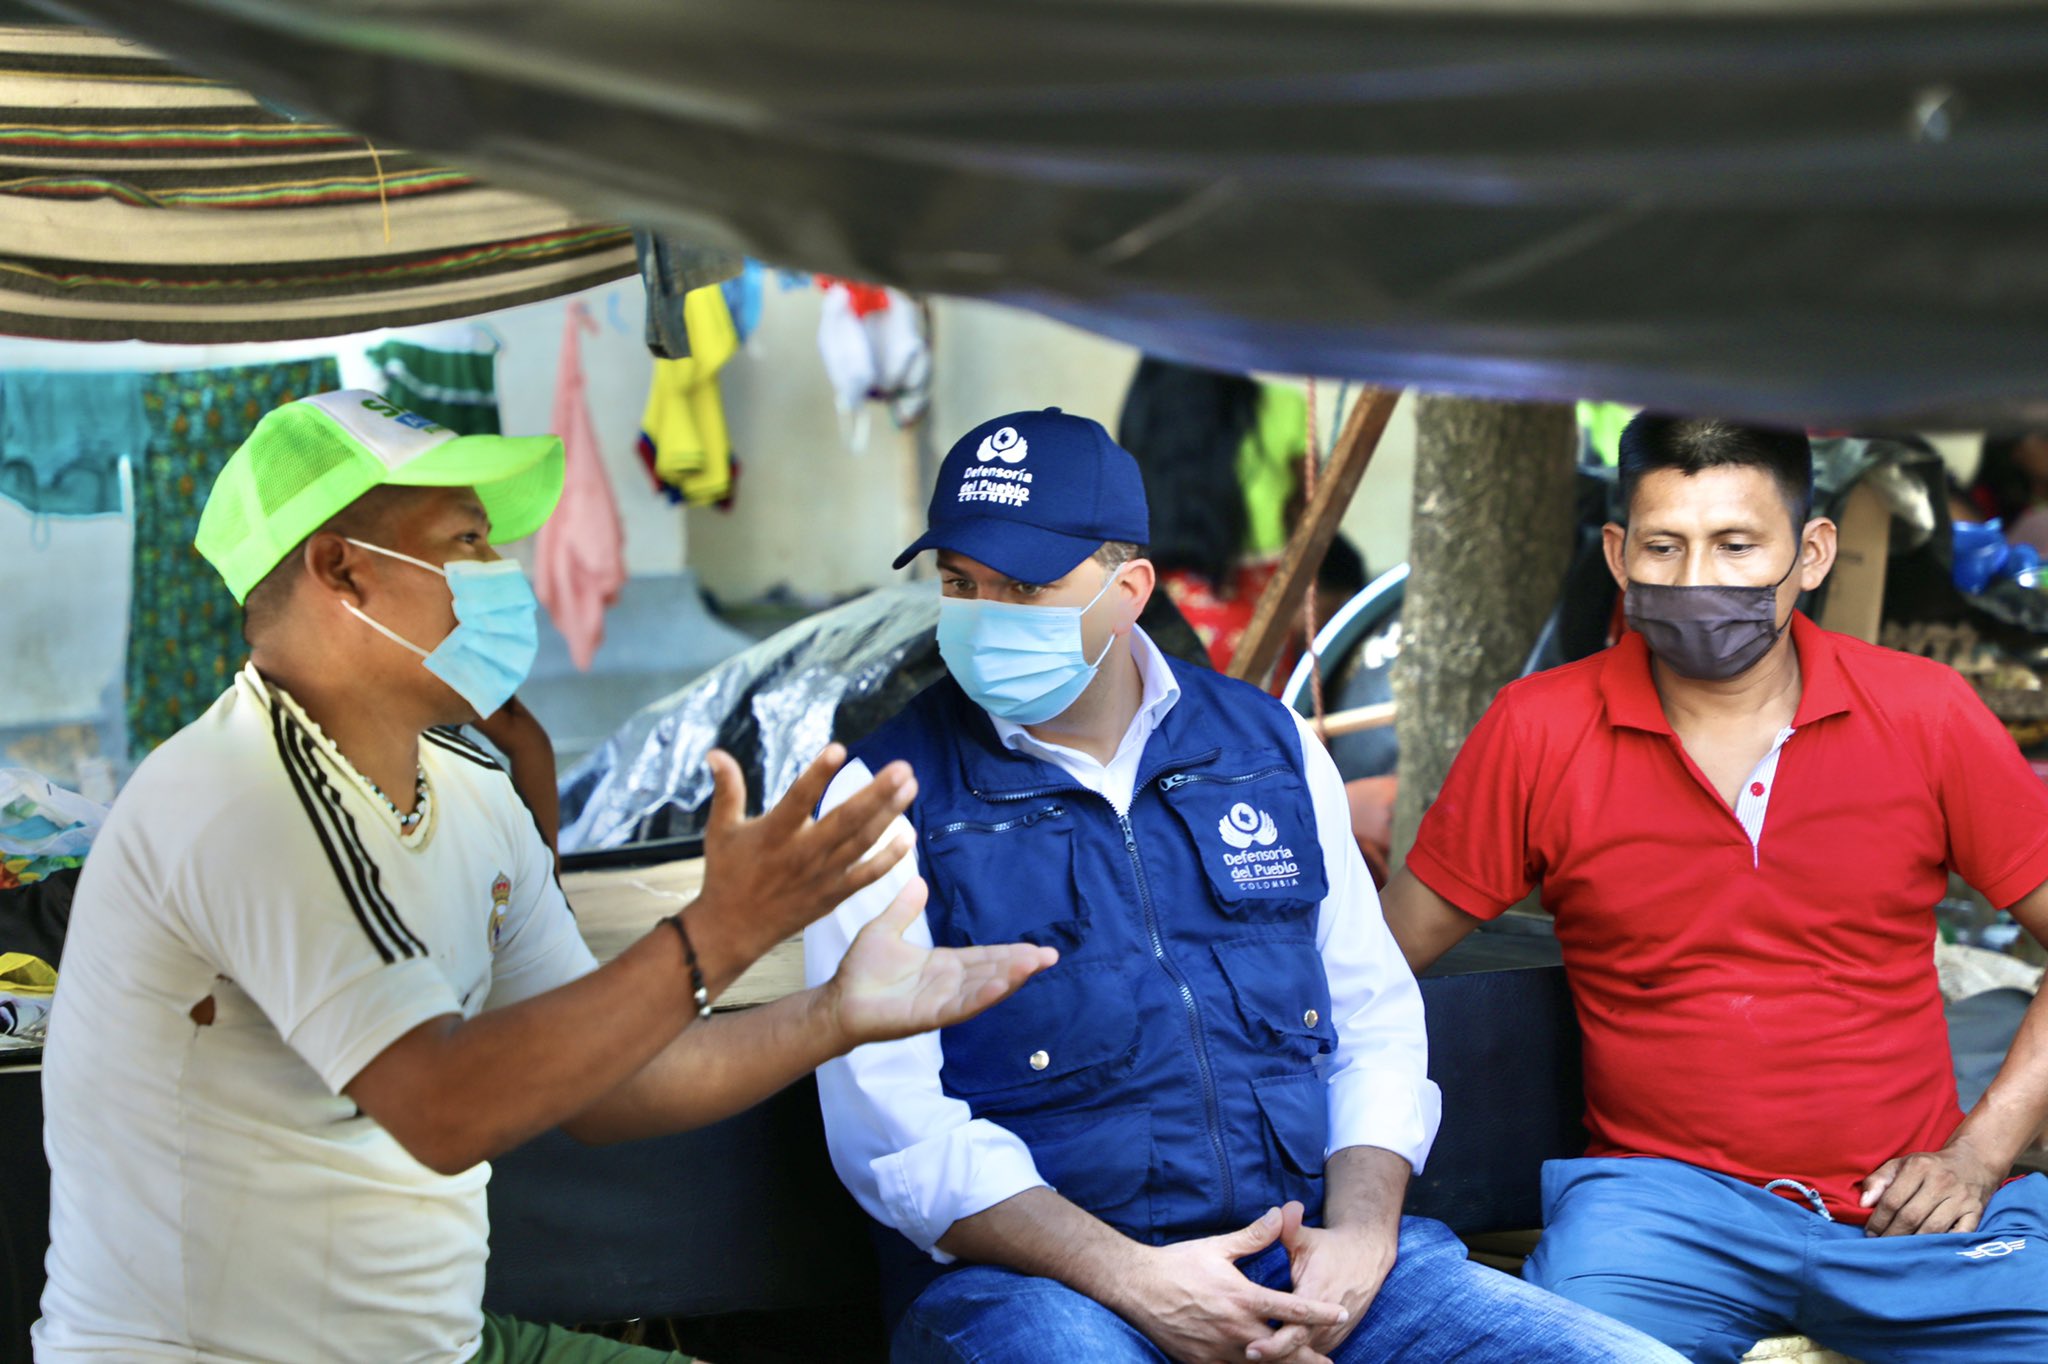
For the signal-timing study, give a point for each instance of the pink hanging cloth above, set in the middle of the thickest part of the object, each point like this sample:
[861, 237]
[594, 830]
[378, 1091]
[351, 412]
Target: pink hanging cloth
[579, 559]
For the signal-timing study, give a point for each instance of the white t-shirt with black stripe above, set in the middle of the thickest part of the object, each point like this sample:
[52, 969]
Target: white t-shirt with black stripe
[214, 1196]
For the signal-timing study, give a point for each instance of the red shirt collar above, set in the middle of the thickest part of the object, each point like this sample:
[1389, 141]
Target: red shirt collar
[1630, 692]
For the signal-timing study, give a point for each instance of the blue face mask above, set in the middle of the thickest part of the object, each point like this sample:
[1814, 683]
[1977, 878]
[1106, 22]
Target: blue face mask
[1024, 664]
[490, 650]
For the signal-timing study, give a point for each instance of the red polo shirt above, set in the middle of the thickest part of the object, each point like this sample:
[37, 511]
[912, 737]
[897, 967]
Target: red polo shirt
[1765, 1008]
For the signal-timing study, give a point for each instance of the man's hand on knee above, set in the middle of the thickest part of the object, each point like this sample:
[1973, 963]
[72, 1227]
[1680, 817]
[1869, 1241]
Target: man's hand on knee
[1930, 1192]
[1197, 1306]
[1345, 1265]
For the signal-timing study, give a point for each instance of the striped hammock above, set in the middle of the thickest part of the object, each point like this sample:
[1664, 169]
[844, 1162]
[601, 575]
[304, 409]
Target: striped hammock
[137, 201]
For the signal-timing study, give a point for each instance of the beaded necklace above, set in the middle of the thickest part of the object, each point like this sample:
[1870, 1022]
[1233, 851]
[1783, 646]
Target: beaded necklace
[419, 806]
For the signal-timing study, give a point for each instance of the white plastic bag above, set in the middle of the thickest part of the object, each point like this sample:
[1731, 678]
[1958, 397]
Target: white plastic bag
[41, 819]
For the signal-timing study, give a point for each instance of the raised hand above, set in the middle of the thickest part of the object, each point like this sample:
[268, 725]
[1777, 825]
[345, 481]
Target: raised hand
[887, 988]
[766, 878]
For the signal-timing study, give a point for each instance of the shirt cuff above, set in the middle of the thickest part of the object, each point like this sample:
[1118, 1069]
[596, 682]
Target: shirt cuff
[1447, 883]
[968, 1169]
[1390, 1109]
[349, 1029]
[2026, 876]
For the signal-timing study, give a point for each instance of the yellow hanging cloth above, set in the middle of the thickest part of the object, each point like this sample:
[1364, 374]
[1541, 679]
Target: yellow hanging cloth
[685, 417]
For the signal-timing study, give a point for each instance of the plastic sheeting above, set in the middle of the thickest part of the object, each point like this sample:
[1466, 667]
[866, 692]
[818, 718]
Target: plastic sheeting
[837, 675]
[1829, 210]
[840, 673]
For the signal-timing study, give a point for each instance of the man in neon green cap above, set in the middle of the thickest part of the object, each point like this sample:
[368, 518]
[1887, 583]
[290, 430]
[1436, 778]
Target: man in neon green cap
[320, 971]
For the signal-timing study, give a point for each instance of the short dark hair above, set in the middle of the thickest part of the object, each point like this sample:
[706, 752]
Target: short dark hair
[266, 600]
[1692, 445]
[1114, 554]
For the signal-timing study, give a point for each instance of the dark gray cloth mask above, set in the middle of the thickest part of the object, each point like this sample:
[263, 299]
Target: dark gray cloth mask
[1707, 633]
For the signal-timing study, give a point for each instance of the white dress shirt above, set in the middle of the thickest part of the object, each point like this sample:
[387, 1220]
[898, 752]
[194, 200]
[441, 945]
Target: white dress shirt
[919, 1160]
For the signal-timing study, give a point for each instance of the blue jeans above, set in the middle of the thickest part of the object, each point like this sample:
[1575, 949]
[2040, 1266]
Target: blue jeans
[1435, 1305]
[1710, 1265]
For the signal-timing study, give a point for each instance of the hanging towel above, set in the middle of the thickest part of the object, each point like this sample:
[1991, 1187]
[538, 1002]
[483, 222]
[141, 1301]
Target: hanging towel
[63, 438]
[457, 389]
[579, 559]
[184, 629]
[685, 417]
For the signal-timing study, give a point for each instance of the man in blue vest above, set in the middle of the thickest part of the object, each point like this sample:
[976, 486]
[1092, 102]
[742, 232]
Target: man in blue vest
[1190, 1139]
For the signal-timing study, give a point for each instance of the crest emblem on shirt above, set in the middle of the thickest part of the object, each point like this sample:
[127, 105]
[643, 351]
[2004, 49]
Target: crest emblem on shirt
[501, 896]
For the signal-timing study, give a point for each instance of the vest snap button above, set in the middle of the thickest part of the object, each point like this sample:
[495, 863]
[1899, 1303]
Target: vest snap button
[1039, 1060]
[1310, 1019]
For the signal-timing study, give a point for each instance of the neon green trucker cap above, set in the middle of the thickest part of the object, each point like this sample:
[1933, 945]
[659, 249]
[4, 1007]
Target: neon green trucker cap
[308, 459]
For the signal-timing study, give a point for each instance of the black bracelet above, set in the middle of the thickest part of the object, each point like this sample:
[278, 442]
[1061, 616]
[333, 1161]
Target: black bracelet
[698, 993]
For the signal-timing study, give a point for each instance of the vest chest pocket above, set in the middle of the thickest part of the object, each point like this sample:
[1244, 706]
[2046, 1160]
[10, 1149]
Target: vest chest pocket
[1006, 879]
[1059, 1044]
[1254, 834]
[1280, 990]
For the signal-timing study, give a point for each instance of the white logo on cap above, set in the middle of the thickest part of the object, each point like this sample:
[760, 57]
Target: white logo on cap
[396, 437]
[1005, 445]
[985, 481]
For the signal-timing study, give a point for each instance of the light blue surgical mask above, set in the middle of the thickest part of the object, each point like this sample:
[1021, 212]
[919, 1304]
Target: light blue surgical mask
[491, 649]
[1024, 664]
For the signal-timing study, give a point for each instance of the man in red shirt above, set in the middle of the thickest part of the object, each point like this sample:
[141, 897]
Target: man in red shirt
[1741, 824]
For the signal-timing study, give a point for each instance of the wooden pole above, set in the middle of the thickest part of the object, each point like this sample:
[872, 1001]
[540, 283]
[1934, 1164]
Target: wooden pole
[1357, 720]
[1280, 603]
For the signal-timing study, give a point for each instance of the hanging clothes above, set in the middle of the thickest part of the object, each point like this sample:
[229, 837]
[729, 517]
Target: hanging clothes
[579, 558]
[184, 629]
[685, 417]
[64, 437]
[458, 389]
[874, 346]
[672, 270]
[1268, 466]
[743, 296]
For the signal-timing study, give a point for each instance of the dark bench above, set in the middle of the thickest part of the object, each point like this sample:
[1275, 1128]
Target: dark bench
[743, 1228]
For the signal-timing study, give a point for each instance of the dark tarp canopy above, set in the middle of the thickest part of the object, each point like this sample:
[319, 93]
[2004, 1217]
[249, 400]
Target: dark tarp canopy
[1830, 210]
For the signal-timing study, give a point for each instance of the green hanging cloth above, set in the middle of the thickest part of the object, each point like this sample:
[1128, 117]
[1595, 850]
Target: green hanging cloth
[458, 389]
[184, 629]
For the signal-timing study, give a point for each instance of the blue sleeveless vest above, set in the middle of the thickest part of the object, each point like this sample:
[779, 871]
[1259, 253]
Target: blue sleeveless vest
[1165, 1074]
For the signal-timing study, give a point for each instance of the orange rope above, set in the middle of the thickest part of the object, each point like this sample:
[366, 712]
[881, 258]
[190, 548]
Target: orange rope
[1309, 470]
[383, 199]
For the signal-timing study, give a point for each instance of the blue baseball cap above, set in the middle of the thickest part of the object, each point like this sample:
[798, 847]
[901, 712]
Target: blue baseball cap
[1033, 494]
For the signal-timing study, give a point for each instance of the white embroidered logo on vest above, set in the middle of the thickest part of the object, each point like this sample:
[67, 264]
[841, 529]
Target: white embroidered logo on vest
[1244, 826]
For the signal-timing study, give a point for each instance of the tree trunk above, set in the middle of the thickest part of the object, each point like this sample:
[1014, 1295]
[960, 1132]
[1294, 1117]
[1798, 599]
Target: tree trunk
[1491, 540]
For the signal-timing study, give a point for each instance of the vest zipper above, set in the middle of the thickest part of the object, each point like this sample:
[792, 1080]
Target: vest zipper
[958, 825]
[1196, 1029]
[1180, 779]
[1194, 1012]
